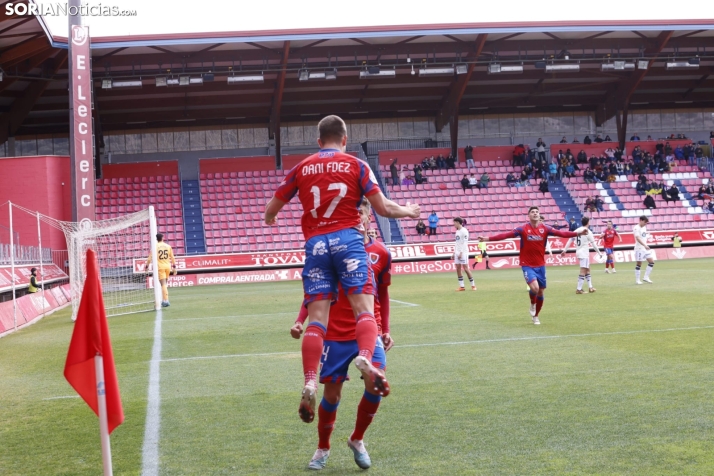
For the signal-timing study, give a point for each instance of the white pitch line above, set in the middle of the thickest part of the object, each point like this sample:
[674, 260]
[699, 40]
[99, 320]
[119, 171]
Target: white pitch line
[59, 398]
[231, 317]
[409, 304]
[466, 342]
[150, 450]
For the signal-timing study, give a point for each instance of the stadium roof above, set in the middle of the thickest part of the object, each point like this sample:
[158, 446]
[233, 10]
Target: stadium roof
[33, 93]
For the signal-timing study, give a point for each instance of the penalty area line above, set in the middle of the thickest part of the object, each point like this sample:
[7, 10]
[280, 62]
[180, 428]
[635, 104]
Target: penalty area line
[408, 304]
[60, 398]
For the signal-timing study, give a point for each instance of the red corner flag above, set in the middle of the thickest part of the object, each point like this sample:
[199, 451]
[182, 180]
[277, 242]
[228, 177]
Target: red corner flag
[89, 339]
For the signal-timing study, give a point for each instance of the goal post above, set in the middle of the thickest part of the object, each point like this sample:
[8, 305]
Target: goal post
[117, 242]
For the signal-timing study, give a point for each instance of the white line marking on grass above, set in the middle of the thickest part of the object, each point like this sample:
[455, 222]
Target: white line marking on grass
[231, 317]
[59, 398]
[466, 342]
[408, 304]
[150, 451]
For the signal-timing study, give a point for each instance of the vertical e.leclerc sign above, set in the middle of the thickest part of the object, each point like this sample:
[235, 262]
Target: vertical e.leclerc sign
[82, 147]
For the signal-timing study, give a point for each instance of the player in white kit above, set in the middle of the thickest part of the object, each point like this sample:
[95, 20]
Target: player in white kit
[642, 250]
[461, 254]
[582, 252]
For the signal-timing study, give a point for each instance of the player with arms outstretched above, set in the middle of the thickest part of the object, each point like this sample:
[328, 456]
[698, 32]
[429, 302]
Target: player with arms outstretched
[340, 349]
[642, 250]
[608, 242]
[167, 262]
[461, 254]
[582, 252]
[330, 186]
[534, 237]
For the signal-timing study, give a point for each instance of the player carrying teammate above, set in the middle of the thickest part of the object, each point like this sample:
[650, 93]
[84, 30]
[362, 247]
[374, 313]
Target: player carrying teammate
[461, 254]
[330, 186]
[534, 236]
[582, 252]
[341, 348]
[165, 257]
[642, 250]
[608, 237]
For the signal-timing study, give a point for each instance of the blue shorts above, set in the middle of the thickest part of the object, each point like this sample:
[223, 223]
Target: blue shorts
[337, 355]
[533, 274]
[332, 258]
[608, 251]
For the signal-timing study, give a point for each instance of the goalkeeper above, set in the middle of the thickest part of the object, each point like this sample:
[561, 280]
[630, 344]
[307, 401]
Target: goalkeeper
[167, 262]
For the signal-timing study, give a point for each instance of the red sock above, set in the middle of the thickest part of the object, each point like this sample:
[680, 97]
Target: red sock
[539, 304]
[366, 410]
[326, 416]
[533, 296]
[366, 334]
[312, 350]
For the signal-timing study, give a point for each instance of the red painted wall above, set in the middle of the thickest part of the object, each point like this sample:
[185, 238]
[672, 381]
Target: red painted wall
[236, 164]
[140, 169]
[291, 160]
[41, 184]
[414, 156]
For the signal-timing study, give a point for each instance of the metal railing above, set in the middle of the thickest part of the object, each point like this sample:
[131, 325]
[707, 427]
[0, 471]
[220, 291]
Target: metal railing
[372, 147]
[23, 254]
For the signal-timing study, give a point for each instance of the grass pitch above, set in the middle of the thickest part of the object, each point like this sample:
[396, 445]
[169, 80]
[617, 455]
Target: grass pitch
[616, 382]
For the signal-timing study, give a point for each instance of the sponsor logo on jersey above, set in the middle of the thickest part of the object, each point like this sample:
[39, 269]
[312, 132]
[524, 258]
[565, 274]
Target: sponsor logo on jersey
[315, 274]
[326, 154]
[373, 258]
[319, 248]
[352, 264]
[535, 238]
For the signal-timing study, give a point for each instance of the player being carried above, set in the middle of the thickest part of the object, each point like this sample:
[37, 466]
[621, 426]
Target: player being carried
[330, 186]
[608, 242]
[165, 257]
[582, 252]
[534, 236]
[341, 348]
[461, 254]
[642, 250]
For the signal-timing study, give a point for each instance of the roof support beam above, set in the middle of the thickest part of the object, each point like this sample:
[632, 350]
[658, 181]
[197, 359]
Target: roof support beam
[621, 98]
[32, 63]
[450, 104]
[23, 49]
[11, 122]
[274, 129]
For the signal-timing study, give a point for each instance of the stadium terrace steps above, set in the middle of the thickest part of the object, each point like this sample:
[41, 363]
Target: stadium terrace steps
[121, 196]
[193, 216]
[394, 229]
[564, 200]
[623, 203]
[497, 208]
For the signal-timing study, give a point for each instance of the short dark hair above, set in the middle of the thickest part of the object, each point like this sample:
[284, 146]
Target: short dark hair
[331, 128]
[585, 220]
[533, 208]
[459, 220]
[644, 217]
[159, 237]
[33, 270]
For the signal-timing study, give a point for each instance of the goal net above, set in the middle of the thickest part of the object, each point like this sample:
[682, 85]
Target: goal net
[116, 242]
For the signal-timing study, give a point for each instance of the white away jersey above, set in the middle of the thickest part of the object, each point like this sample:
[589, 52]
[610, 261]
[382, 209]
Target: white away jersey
[582, 243]
[640, 231]
[462, 242]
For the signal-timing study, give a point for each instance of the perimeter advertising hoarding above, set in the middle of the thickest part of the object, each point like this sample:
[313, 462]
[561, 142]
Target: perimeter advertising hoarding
[412, 252]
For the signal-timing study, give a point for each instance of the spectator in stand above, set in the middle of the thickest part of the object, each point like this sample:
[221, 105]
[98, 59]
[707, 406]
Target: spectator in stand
[618, 154]
[667, 149]
[649, 138]
[408, 180]
[673, 192]
[649, 202]
[450, 162]
[563, 140]
[587, 140]
[433, 223]
[679, 152]
[570, 166]
[710, 188]
[440, 162]
[511, 180]
[543, 187]
[702, 192]
[598, 203]
[589, 176]
[590, 205]
[699, 152]
[573, 226]
[485, 180]
[425, 163]
[659, 147]
[418, 177]
[582, 157]
[607, 138]
[620, 167]
[519, 155]
[465, 183]
[553, 171]
[642, 186]
[598, 139]
[403, 174]
[421, 227]
[473, 182]
[575, 140]
[469, 153]
[709, 207]
[711, 135]
[524, 179]
[395, 173]
[635, 137]
[540, 147]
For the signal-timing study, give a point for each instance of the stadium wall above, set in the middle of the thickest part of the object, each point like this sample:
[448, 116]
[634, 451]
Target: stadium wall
[140, 169]
[237, 164]
[42, 184]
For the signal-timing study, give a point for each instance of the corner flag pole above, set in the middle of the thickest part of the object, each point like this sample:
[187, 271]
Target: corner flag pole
[103, 423]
